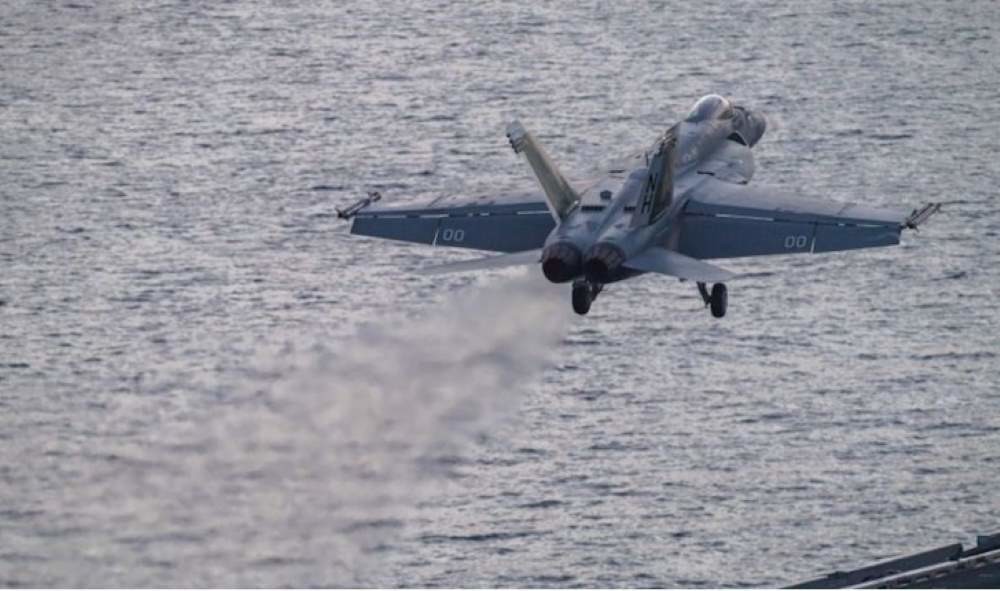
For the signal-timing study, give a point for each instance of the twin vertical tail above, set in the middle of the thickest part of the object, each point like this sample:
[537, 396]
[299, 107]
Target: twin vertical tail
[658, 191]
[654, 199]
[559, 194]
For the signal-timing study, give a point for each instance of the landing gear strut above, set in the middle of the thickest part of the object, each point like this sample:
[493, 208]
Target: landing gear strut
[584, 294]
[717, 300]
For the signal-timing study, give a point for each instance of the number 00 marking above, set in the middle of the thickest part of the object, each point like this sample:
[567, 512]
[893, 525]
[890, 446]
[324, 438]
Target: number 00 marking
[452, 235]
[795, 241]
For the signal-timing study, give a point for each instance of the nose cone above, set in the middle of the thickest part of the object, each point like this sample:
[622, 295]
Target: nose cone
[561, 262]
[601, 262]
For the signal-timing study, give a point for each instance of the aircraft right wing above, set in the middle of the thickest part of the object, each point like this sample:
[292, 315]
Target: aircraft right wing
[721, 220]
[514, 225]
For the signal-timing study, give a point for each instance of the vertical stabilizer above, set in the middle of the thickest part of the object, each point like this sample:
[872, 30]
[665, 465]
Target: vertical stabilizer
[561, 197]
[658, 190]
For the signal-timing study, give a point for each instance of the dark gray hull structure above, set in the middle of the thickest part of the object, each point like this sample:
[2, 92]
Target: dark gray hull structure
[947, 567]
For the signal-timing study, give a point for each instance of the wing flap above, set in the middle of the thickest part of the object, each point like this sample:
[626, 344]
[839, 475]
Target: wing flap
[406, 229]
[830, 238]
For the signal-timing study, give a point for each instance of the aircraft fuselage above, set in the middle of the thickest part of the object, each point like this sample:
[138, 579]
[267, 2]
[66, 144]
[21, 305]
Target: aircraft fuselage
[594, 241]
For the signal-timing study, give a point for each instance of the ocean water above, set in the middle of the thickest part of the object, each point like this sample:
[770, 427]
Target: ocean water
[206, 381]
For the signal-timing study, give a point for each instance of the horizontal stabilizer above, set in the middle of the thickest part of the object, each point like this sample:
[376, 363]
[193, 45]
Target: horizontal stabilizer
[669, 262]
[527, 257]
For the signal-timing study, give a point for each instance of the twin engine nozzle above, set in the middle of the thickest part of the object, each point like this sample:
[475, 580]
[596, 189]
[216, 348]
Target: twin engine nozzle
[602, 262]
[563, 261]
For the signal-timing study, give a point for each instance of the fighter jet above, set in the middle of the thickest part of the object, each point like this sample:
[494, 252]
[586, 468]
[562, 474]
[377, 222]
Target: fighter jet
[666, 209]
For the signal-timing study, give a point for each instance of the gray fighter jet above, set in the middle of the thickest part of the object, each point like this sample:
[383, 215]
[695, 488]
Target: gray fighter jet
[663, 210]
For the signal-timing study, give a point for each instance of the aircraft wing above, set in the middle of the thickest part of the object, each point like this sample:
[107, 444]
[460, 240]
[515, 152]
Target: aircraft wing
[721, 220]
[514, 224]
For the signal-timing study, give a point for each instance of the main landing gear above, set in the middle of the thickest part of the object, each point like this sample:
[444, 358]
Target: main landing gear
[717, 300]
[584, 294]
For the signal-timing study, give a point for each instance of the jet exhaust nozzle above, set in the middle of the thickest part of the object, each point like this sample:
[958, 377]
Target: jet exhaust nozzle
[561, 262]
[758, 125]
[602, 261]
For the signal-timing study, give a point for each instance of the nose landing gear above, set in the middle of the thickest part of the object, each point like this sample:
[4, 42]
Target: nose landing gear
[717, 300]
[584, 294]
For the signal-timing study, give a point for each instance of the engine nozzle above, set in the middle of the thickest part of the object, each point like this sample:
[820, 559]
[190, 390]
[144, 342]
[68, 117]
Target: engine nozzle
[561, 262]
[757, 123]
[602, 262]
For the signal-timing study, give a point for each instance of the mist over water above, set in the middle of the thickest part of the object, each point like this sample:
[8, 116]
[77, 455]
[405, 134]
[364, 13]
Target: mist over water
[205, 380]
[339, 446]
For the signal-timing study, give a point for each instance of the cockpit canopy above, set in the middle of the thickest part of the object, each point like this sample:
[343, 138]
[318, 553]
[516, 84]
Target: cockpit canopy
[710, 107]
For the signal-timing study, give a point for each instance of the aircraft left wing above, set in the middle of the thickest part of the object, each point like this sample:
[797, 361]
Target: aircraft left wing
[511, 226]
[721, 220]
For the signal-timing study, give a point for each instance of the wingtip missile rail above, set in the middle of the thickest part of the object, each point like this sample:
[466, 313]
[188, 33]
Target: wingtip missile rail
[920, 216]
[353, 209]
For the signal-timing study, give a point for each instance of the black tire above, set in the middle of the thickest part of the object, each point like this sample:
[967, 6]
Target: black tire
[719, 300]
[581, 299]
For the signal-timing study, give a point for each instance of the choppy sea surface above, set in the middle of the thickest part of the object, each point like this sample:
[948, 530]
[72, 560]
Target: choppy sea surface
[206, 381]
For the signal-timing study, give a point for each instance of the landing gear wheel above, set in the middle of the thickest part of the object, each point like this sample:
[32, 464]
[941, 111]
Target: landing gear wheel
[584, 294]
[719, 300]
[581, 298]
